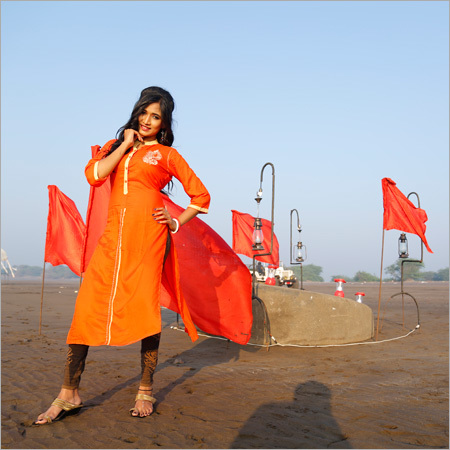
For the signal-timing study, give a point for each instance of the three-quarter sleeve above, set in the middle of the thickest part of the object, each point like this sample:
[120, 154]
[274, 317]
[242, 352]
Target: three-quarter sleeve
[91, 170]
[192, 185]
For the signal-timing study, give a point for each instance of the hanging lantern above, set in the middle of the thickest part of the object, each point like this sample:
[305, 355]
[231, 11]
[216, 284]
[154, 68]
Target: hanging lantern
[300, 252]
[403, 246]
[258, 236]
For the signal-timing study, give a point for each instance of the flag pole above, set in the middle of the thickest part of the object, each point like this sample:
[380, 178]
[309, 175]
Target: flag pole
[42, 298]
[379, 290]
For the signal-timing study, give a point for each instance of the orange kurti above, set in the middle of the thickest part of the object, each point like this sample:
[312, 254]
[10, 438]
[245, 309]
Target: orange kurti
[119, 299]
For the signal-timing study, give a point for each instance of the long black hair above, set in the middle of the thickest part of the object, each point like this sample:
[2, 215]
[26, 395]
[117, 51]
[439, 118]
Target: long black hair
[152, 94]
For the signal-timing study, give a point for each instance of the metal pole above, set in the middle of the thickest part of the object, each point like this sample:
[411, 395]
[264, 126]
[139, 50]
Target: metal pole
[291, 260]
[254, 281]
[42, 298]
[403, 299]
[379, 291]
[301, 276]
[402, 292]
[273, 206]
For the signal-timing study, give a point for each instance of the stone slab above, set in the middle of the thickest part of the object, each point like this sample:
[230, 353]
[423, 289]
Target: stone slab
[309, 318]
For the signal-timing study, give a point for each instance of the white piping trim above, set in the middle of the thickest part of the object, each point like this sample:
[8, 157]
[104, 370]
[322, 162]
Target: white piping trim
[115, 280]
[125, 177]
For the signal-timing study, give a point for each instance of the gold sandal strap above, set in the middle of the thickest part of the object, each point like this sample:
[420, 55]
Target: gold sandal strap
[147, 398]
[63, 404]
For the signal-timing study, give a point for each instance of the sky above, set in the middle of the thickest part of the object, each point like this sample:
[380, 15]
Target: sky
[336, 95]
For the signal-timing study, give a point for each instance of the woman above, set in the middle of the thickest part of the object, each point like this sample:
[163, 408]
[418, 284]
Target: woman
[119, 299]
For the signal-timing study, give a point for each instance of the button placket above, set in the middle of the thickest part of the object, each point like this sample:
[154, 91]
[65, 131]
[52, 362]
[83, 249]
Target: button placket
[125, 178]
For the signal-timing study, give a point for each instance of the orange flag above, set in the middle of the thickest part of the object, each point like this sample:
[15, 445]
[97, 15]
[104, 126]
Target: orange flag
[65, 231]
[401, 214]
[243, 238]
[215, 283]
[96, 216]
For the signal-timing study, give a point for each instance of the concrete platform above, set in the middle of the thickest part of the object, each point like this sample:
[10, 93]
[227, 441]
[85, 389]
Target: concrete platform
[309, 318]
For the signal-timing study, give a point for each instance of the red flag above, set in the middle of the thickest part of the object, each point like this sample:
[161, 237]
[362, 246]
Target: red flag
[401, 214]
[96, 216]
[243, 238]
[216, 284]
[65, 231]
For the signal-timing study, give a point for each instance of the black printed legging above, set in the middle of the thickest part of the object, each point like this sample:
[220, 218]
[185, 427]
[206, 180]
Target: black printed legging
[76, 359]
[77, 353]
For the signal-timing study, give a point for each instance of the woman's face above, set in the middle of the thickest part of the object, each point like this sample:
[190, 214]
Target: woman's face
[150, 122]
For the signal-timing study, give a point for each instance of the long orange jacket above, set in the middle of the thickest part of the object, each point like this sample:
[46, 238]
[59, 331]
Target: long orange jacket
[119, 299]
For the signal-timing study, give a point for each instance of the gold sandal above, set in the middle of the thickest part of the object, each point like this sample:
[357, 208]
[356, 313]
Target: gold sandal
[144, 397]
[68, 409]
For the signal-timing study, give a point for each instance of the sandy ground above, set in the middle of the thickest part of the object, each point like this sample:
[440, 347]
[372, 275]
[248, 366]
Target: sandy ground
[217, 394]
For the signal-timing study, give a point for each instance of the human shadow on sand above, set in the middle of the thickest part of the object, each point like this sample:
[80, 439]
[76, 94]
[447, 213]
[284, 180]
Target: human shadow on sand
[306, 422]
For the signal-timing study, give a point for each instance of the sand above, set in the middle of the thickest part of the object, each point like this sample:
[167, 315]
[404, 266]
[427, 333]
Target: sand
[217, 394]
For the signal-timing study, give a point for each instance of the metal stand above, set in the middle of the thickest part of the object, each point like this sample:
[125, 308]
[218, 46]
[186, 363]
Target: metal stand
[42, 299]
[254, 279]
[402, 292]
[296, 262]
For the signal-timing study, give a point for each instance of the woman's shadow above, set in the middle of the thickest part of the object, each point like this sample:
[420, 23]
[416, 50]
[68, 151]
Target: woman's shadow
[306, 422]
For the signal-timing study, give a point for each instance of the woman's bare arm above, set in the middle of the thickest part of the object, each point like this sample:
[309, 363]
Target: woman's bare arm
[108, 164]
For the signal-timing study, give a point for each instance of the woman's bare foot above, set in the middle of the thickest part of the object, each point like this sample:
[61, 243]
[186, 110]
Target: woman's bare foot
[143, 408]
[69, 395]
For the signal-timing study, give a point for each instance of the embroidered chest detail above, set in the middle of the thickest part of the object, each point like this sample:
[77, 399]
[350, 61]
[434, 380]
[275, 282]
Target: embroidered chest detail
[152, 157]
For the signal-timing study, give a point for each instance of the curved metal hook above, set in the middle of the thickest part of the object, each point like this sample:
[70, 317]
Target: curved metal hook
[421, 242]
[258, 199]
[417, 195]
[262, 171]
[299, 228]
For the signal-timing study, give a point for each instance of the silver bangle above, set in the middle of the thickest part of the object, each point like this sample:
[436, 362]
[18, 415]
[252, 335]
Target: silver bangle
[178, 226]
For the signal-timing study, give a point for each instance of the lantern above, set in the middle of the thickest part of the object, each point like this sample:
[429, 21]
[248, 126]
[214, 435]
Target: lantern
[258, 236]
[300, 252]
[403, 246]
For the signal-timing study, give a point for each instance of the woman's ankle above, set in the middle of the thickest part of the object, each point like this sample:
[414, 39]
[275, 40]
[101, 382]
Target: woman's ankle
[70, 395]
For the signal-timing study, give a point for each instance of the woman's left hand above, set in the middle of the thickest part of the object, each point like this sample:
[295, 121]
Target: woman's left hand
[161, 215]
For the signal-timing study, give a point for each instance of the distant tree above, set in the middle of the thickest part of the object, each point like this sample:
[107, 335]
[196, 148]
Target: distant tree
[364, 276]
[59, 272]
[427, 276]
[441, 275]
[311, 272]
[342, 277]
[51, 272]
[411, 271]
[28, 271]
